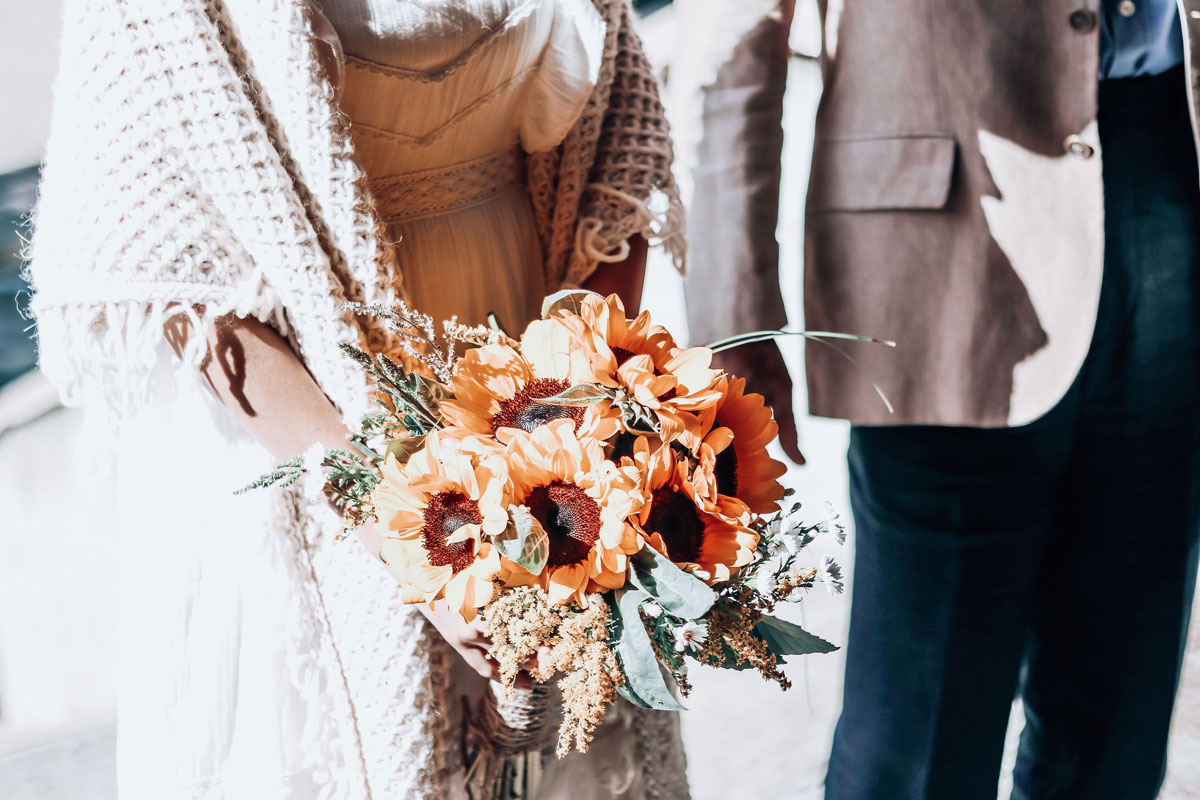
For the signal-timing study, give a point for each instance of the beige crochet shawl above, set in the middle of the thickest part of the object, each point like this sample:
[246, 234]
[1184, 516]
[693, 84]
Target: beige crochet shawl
[198, 161]
[197, 158]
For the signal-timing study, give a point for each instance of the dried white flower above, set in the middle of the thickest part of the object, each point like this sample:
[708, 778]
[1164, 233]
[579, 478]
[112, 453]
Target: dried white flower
[690, 635]
[833, 524]
[765, 582]
[314, 474]
[653, 610]
[831, 575]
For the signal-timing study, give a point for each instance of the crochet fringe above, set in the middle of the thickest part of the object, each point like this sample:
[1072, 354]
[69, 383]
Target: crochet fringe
[605, 239]
[102, 354]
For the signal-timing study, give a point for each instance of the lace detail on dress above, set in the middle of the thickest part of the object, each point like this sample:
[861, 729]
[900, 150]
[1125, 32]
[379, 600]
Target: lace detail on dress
[494, 35]
[433, 192]
[449, 124]
[332, 763]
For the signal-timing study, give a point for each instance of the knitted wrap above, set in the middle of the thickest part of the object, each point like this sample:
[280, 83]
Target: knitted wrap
[197, 158]
[611, 177]
[198, 166]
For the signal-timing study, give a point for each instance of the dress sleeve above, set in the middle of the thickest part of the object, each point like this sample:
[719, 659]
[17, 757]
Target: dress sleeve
[565, 77]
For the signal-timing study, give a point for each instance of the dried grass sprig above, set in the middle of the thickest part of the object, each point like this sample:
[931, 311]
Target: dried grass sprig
[522, 620]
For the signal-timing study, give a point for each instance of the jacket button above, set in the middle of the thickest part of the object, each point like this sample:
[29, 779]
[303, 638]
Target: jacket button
[1082, 20]
[1077, 147]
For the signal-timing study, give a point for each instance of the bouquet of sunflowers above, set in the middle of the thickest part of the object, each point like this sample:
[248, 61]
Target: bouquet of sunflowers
[591, 488]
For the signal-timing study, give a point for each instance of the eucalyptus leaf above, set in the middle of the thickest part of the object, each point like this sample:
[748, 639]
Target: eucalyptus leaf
[680, 594]
[431, 393]
[787, 639]
[581, 394]
[404, 448]
[646, 684]
[524, 541]
[565, 300]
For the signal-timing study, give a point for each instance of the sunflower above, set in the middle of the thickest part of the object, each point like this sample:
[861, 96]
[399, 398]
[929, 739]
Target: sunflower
[437, 509]
[496, 392]
[735, 448]
[643, 360]
[582, 501]
[682, 523]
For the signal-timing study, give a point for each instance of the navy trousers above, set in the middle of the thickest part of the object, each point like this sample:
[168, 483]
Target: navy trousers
[1056, 560]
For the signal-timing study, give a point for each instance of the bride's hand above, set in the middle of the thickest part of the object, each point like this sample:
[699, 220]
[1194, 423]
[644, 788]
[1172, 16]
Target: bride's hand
[471, 641]
[468, 638]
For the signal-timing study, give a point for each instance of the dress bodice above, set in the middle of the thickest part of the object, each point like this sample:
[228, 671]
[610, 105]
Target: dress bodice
[444, 98]
[429, 84]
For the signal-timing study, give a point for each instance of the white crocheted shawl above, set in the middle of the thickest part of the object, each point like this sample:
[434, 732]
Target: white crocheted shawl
[198, 165]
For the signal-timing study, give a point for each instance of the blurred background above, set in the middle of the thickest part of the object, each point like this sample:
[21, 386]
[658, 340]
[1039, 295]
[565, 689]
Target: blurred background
[57, 659]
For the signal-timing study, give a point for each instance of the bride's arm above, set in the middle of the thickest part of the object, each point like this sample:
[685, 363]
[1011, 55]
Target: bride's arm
[622, 278]
[269, 392]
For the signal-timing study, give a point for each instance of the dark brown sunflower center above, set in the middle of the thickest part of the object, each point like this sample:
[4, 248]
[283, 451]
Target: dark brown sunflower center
[622, 355]
[726, 472]
[675, 518]
[570, 517]
[523, 410]
[446, 513]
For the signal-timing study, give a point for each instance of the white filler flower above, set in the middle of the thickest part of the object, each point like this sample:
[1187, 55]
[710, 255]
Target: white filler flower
[690, 635]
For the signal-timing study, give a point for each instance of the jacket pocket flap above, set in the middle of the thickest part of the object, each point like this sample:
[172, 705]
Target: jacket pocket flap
[877, 174]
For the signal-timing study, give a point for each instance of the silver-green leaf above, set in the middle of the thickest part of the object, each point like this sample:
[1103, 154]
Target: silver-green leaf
[582, 394]
[680, 594]
[403, 448]
[566, 300]
[646, 685]
[524, 541]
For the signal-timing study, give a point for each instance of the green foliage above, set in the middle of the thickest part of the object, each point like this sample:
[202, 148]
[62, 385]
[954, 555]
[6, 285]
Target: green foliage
[680, 594]
[416, 400]
[350, 481]
[787, 639]
[283, 475]
[645, 685]
[524, 540]
[351, 478]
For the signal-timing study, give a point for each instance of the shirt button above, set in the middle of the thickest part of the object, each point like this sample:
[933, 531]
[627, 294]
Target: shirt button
[1127, 8]
[1077, 147]
[1082, 20]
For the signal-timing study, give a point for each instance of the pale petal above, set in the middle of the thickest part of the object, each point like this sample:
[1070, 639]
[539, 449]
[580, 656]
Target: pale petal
[456, 595]
[566, 581]
[462, 533]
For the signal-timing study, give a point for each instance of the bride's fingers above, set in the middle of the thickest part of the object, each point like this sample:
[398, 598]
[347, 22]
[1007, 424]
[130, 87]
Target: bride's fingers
[479, 662]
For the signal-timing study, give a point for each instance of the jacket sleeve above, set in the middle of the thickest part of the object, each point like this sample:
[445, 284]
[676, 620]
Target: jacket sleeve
[728, 79]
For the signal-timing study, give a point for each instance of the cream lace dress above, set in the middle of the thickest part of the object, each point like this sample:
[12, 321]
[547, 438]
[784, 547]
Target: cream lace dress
[262, 660]
[444, 99]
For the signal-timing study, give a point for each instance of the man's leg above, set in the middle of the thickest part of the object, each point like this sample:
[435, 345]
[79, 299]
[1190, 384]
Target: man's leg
[950, 527]
[1116, 589]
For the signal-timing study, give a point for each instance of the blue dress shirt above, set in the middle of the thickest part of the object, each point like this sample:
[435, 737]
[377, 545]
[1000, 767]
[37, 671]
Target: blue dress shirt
[1139, 37]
